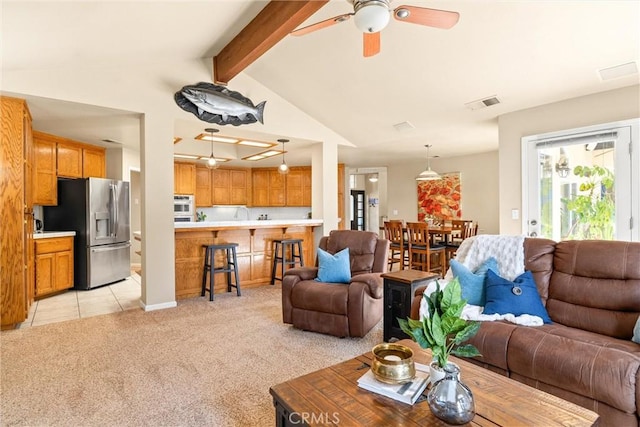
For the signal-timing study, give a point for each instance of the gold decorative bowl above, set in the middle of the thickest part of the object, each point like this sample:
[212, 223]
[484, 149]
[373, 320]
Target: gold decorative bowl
[393, 363]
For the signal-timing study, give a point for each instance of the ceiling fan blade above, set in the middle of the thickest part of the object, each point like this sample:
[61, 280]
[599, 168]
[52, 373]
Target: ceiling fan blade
[370, 44]
[320, 25]
[425, 16]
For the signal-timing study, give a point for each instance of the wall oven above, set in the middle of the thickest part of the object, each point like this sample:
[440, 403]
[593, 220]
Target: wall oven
[183, 208]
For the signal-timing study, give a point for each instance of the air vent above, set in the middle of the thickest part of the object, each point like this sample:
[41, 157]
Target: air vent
[622, 70]
[482, 103]
[404, 126]
[111, 141]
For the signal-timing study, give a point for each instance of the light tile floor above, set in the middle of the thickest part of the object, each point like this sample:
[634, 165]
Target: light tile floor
[119, 296]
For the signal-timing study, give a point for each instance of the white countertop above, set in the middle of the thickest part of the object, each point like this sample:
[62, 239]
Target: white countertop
[254, 223]
[50, 234]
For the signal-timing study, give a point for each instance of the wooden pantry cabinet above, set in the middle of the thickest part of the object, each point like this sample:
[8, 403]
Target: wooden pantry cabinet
[54, 265]
[16, 212]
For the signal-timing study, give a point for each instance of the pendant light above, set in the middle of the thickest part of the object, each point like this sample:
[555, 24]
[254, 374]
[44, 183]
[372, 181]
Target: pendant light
[283, 168]
[212, 163]
[428, 174]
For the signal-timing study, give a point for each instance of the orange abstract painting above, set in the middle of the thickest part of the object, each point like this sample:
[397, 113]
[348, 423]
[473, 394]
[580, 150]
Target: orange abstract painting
[440, 199]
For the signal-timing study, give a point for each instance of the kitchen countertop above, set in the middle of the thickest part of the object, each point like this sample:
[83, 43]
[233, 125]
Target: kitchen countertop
[250, 223]
[50, 234]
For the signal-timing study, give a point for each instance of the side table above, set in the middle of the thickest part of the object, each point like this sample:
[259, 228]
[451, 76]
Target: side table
[399, 288]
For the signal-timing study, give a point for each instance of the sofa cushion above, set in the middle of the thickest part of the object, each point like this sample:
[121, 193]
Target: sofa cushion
[472, 282]
[333, 268]
[516, 297]
[595, 286]
[592, 365]
[311, 295]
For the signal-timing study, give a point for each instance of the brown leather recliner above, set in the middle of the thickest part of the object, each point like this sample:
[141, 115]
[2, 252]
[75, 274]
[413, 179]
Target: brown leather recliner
[343, 310]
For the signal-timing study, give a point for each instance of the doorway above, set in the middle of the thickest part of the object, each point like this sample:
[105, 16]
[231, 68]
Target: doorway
[579, 184]
[358, 210]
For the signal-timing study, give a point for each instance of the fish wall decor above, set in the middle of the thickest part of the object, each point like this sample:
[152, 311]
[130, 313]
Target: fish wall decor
[217, 104]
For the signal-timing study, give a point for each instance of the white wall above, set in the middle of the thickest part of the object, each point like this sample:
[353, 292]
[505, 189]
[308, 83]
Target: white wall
[604, 107]
[478, 186]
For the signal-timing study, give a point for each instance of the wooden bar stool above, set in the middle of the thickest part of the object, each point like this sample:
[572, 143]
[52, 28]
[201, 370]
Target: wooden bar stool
[229, 266]
[285, 247]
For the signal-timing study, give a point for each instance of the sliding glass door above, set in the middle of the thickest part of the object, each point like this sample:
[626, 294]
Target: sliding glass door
[582, 184]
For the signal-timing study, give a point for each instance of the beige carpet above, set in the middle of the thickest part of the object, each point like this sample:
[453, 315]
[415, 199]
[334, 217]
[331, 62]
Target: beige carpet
[200, 364]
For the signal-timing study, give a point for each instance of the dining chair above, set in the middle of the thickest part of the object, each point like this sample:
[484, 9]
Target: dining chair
[398, 250]
[421, 250]
[469, 229]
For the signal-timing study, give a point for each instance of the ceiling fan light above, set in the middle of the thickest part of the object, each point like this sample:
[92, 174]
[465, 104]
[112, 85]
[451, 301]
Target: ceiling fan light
[372, 16]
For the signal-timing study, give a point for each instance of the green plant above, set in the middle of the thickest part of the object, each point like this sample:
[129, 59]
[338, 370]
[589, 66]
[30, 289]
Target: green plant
[443, 330]
[595, 207]
[201, 216]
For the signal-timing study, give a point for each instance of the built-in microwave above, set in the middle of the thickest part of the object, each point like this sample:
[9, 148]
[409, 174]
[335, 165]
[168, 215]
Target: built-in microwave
[183, 208]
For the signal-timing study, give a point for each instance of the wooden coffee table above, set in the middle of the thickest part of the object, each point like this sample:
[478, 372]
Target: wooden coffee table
[331, 396]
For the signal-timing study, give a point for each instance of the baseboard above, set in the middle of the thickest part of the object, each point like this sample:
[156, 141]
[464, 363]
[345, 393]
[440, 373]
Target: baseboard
[162, 306]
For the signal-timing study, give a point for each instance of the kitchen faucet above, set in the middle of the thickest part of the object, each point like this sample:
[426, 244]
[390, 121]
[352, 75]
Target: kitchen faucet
[244, 208]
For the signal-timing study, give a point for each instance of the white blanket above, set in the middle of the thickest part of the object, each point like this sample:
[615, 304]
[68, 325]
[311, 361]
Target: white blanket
[509, 251]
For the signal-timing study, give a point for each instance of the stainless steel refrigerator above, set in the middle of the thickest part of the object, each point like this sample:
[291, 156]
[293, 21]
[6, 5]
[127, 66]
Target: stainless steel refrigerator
[97, 210]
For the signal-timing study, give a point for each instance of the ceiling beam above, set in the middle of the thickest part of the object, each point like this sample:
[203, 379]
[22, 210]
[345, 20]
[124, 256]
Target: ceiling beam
[272, 24]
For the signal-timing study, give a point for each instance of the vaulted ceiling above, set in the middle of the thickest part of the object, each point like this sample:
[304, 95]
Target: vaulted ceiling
[526, 53]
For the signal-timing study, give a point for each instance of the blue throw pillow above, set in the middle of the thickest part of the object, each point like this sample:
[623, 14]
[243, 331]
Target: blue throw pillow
[334, 268]
[518, 297]
[472, 283]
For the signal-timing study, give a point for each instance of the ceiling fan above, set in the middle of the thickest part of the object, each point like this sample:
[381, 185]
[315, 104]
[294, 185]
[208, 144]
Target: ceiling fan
[371, 16]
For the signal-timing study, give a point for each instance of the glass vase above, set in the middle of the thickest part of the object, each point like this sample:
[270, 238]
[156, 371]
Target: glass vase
[450, 400]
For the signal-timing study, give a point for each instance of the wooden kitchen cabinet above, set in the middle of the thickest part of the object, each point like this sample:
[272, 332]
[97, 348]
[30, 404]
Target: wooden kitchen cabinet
[73, 159]
[260, 187]
[69, 159]
[221, 185]
[54, 265]
[93, 162]
[184, 178]
[203, 187]
[277, 195]
[298, 186]
[239, 186]
[45, 186]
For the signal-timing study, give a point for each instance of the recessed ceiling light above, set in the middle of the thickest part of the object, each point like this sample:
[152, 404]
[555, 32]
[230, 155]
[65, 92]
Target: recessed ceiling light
[208, 137]
[255, 143]
[186, 156]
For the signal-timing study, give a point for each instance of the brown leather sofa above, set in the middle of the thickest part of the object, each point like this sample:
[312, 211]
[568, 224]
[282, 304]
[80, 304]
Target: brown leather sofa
[343, 310]
[591, 290]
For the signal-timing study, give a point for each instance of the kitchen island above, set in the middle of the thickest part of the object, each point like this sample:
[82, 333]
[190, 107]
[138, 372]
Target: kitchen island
[255, 256]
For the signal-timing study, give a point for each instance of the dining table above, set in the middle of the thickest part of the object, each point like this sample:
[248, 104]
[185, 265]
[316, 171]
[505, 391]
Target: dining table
[434, 230]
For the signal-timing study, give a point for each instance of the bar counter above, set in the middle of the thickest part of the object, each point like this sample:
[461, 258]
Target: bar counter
[254, 239]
